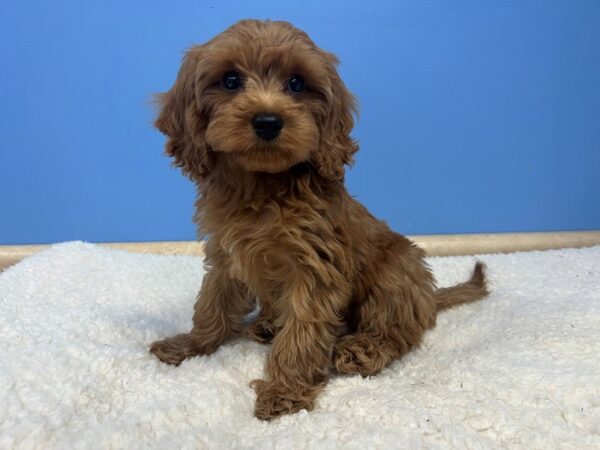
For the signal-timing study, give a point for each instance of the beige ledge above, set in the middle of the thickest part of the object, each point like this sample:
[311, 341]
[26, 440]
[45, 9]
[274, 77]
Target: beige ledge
[435, 245]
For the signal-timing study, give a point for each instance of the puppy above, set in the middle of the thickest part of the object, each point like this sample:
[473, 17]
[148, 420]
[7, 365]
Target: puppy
[260, 120]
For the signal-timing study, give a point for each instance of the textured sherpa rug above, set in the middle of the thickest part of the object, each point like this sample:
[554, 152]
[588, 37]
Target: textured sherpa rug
[518, 370]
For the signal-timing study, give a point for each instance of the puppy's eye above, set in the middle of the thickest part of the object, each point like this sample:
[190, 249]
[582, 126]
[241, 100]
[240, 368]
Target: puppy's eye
[296, 84]
[232, 81]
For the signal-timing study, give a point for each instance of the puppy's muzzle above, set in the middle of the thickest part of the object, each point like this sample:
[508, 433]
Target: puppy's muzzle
[267, 126]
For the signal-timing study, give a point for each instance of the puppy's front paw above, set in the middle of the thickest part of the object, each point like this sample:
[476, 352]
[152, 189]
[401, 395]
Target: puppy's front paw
[175, 349]
[274, 399]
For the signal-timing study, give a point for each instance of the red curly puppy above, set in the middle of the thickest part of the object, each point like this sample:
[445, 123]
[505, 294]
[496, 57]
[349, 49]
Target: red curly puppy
[260, 120]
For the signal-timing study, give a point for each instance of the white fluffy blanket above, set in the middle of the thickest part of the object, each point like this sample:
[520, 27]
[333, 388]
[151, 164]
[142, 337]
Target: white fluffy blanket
[518, 370]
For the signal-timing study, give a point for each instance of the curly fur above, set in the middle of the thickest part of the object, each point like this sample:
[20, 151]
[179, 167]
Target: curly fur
[336, 287]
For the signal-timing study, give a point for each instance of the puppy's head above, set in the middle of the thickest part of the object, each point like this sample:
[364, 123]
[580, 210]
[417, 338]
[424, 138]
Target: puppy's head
[262, 95]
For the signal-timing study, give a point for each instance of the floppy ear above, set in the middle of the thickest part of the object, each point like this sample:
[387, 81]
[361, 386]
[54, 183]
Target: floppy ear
[336, 147]
[182, 121]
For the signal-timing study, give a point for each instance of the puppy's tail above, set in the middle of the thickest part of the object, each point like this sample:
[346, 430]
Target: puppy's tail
[467, 292]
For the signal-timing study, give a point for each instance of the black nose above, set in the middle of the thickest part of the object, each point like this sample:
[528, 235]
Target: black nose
[267, 126]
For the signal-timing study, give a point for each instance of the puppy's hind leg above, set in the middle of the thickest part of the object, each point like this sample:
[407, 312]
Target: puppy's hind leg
[391, 318]
[262, 328]
[379, 339]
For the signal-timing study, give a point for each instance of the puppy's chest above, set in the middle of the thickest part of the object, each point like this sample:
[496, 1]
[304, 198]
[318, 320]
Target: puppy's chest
[268, 243]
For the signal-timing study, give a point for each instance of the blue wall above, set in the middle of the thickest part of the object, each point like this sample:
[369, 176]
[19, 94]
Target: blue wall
[476, 115]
